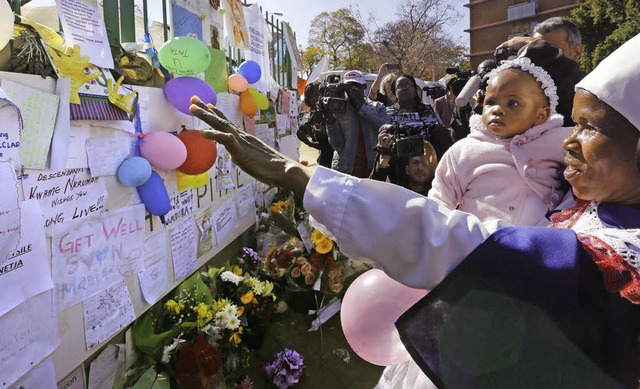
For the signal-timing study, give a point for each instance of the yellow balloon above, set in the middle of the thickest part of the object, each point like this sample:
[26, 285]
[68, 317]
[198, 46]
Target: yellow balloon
[247, 105]
[238, 83]
[260, 99]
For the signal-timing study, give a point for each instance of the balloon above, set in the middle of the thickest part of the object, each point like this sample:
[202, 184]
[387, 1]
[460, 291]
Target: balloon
[369, 310]
[250, 70]
[6, 23]
[180, 89]
[238, 83]
[201, 152]
[247, 105]
[154, 195]
[163, 150]
[184, 55]
[134, 171]
[260, 99]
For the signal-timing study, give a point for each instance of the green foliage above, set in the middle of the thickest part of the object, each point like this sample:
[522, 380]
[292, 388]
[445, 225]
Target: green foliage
[604, 26]
[337, 34]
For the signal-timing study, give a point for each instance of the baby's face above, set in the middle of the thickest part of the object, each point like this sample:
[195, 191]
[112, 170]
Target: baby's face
[514, 102]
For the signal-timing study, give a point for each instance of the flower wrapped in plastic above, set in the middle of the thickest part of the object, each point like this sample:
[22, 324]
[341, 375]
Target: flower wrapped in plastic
[286, 369]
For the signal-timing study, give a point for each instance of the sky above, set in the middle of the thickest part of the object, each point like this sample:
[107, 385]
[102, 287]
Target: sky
[299, 13]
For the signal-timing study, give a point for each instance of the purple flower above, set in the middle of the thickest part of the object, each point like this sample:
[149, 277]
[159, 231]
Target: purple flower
[252, 255]
[286, 369]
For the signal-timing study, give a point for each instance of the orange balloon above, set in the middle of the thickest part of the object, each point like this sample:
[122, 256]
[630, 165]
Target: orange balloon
[201, 152]
[247, 105]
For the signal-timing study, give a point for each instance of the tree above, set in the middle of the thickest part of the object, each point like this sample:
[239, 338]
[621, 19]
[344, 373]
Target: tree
[416, 40]
[310, 58]
[337, 34]
[604, 26]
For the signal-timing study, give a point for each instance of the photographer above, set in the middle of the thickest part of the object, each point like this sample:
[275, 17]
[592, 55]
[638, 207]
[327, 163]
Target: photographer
[352, 124]
[454, 116]
[313, 133]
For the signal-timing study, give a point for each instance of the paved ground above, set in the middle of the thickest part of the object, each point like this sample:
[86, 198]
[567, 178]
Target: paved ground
[308, 154]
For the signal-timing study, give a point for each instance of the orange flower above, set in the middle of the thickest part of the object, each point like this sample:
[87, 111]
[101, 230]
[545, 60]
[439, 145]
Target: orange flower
[240, 310]
[247, 297]
[295, 272]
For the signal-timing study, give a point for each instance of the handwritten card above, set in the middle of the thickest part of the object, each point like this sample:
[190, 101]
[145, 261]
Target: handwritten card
[183, 248]
[265, 134]
[29, 334]
[66, 195]
[92, 253]
[182, 204]
[110, 364]
[41, 376]
[9, 211]
[282, 123]
[225, 219]
[107, 313]
[84, 25]
[228, 104]
[73, 380]
[106, 154]
[39, 110]
[245, 201]
[186, 23]
[79, 132]
[154, 279]
[11, 120]
[27, 272]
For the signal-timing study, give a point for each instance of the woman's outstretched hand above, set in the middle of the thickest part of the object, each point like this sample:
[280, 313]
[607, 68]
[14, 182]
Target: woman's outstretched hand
[252, 155]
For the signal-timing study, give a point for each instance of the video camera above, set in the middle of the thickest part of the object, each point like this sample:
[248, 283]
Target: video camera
[408, 139]
[332, 95]
[459, 79]
[434, 89]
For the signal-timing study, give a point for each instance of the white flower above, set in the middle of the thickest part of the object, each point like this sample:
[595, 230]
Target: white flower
[233, 323]
[256, 286]
[229, 276]
[168, 350]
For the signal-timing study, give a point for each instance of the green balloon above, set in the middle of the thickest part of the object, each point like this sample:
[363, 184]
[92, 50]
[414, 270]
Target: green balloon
[185, 56]
[261, 100]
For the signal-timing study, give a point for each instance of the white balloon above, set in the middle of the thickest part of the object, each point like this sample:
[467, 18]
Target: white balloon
[6, 23]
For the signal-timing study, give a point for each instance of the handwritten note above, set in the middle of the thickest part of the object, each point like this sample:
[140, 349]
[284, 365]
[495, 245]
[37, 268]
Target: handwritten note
[41, 376]
[79, 132]
[83, 25]
[29, 334]
[11, 130]
[92, 253]
[60, 141]
[224, 219]
[183, 248]
[106, 154]
[109, 364]
[27, 271]
[265, 134]
[154, 279]
[182, 204]
[66, 195]
[107, 313]
[282, 123]
[228, 104]
[245, 201]
[38, 111]
[9, 211]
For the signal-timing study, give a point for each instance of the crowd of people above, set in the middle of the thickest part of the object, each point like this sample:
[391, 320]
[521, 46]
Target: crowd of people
[511, 304]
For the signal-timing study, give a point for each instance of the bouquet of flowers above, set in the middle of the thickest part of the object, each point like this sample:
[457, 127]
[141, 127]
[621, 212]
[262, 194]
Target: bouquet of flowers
[239, 284]
[286, 370]
[188, 332]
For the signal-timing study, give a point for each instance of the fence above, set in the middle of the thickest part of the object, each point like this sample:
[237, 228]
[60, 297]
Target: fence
[120, 21]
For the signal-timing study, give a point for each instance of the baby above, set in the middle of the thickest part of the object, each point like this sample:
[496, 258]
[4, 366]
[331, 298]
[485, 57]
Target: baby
[509, 167]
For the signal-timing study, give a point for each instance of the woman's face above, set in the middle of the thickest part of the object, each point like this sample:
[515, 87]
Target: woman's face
[601, 153]
[405, 91]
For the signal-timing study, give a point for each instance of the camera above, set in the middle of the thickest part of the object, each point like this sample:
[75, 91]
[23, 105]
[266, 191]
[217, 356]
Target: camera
[459, 80]
[408, 140]
[333, 96]
[434, 89]
[504, 54]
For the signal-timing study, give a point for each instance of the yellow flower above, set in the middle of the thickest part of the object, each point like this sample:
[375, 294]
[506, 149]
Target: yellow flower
[254, 301]
[204, 314]
[173, 306]
[235, 337]
[246, 299]
[237, 270]
[323, 246]
[317, 235]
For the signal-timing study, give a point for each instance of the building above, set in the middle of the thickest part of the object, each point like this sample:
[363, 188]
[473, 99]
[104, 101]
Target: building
[494, 21]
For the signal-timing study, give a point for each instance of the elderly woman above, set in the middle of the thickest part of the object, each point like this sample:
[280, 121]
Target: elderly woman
[511, 307]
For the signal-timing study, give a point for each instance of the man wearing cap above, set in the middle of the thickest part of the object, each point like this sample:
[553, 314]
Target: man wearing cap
[354, 133]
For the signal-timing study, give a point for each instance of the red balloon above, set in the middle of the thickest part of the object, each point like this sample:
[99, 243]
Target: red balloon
[370, 307]
[201, 152]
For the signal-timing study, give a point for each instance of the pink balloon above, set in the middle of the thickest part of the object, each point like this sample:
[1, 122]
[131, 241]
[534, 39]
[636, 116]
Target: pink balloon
[370, 307]
[238, 83]
[163, 150]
